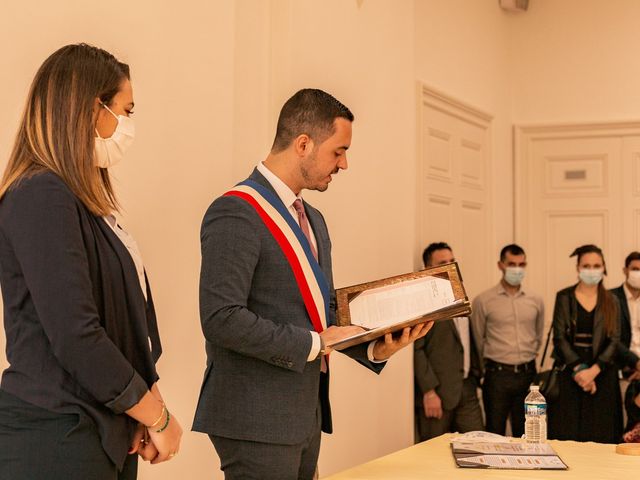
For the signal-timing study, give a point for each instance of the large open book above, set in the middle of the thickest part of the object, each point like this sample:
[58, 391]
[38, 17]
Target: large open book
[391, 304]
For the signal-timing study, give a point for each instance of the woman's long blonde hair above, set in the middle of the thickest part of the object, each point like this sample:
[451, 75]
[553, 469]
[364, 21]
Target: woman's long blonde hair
[57, 129]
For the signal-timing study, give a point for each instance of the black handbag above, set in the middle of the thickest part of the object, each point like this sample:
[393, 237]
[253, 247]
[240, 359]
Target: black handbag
[548, 380]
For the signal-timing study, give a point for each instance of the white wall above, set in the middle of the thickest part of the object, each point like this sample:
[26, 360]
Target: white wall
[462, 49]
[576, 61]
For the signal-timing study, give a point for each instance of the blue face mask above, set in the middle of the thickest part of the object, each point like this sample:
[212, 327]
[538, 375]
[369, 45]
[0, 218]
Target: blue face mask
[591, 276]
[514, 275]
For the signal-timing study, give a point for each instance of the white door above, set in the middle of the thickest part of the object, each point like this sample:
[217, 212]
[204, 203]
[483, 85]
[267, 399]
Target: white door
[454, 143]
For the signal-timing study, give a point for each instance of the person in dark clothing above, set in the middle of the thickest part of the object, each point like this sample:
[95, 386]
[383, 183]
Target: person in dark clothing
[628, 358]
[586, 332]
[80, 396]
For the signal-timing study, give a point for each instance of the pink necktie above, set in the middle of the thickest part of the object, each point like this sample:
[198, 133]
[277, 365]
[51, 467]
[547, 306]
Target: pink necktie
[304, 225]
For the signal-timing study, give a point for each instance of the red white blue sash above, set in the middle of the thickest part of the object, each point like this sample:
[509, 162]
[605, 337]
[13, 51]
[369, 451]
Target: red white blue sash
[311, 280]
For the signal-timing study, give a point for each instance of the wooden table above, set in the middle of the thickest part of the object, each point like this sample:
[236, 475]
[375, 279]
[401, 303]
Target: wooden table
[433, 460]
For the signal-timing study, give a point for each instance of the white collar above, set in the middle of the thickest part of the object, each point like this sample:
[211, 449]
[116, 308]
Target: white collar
[282, 190]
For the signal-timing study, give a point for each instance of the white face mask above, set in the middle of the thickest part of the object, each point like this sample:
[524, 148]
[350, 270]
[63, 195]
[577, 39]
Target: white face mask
[634, 278]
[591, 276]
[109, 151]
[514, 275]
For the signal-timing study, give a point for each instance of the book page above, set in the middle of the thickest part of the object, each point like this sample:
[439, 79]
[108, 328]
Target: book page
[397, 303]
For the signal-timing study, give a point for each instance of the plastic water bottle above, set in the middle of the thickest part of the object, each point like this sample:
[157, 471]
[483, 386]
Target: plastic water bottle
[535, 411]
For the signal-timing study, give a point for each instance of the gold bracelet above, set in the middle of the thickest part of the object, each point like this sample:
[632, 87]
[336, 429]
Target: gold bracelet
[164, 410]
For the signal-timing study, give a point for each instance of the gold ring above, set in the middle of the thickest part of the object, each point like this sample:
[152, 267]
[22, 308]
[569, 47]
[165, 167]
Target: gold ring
[172, 454]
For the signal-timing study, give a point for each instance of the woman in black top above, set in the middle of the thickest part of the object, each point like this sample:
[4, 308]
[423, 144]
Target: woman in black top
[586, 332]
[80, 397]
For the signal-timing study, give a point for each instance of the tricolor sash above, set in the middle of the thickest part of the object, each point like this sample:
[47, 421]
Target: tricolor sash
[310, 278]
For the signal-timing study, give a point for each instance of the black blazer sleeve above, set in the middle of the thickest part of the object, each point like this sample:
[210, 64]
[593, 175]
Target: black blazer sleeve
[42, 226]
[562, 327]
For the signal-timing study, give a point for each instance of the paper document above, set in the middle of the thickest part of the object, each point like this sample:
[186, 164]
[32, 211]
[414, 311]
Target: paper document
[506, 455]
[392, 304]
[478, 436]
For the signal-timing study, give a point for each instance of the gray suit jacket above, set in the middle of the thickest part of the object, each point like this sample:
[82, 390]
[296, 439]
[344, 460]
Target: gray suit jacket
[258, 385]
[438, 363]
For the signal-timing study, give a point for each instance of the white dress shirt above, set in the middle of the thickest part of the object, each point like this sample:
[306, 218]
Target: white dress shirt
[462, 325]
[132, 247]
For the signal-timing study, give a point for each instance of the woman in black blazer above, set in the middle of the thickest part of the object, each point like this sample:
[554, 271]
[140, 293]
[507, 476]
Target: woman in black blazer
[80, 398]
[586, 332]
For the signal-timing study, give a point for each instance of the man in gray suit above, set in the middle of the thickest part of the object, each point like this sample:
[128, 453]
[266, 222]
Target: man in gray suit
[446, 370]
[265, 394]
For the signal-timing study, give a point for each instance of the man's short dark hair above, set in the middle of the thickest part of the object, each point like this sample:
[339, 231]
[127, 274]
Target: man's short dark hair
[431, 248]
[630, 258]
[513, 249]
[312, 112]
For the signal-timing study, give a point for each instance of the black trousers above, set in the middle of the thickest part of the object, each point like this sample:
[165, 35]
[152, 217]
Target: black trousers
[503, 394]
[36, 444]
[245, 460]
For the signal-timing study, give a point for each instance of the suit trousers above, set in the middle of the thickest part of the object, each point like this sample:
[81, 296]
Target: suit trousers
[245, 460]
[36, 444]
[464, 417]
[503, 394]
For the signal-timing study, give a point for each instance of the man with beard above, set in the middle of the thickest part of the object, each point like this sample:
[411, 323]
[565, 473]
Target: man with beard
[267, 302]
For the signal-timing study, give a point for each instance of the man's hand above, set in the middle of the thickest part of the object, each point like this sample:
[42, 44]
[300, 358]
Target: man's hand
[432, 405]
[383, 349]
[334, 334]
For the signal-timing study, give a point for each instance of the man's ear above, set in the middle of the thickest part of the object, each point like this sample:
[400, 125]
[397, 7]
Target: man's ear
[303, 145]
